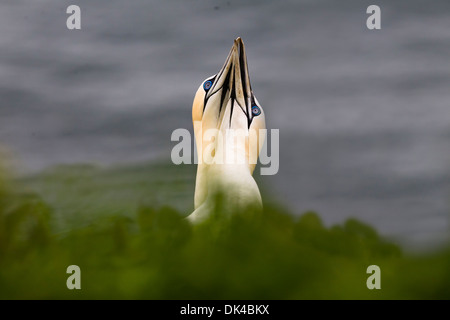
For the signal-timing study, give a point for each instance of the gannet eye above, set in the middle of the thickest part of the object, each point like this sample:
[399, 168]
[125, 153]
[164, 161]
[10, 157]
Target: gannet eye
[207, 85]
[256, 110]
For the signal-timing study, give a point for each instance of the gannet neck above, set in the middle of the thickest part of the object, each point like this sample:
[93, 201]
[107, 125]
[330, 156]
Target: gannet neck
[233, 183]
[229, 165]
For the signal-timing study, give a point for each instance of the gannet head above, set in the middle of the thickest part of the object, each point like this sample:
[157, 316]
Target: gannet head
[226, 101]
[227, 121]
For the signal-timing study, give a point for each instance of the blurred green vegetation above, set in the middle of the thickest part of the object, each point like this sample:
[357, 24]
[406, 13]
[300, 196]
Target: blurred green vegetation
[124, 228]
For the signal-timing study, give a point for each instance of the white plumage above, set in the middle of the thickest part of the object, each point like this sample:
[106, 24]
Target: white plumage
[227, 122]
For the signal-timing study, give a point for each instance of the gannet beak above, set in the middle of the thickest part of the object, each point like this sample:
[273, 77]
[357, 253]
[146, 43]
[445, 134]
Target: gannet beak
[232, 86]
[243, 90]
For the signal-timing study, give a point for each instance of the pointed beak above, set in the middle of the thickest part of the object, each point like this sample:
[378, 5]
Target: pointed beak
[233, 80]
[242, 86]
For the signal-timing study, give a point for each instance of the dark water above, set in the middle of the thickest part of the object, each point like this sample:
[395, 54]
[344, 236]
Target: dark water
[364, 116]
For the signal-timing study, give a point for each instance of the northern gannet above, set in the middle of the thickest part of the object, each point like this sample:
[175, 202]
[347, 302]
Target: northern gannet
[227, 158]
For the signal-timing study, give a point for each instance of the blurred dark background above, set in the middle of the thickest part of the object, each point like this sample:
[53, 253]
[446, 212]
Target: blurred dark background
[363, 115]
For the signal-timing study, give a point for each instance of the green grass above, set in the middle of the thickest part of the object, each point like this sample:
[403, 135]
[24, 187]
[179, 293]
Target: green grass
[124, 228]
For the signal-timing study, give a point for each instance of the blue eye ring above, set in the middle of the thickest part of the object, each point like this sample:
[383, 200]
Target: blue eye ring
[256, 111]
[207, 85]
